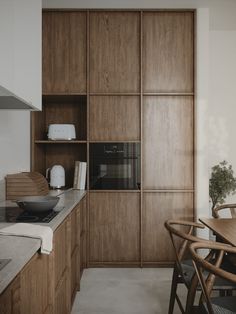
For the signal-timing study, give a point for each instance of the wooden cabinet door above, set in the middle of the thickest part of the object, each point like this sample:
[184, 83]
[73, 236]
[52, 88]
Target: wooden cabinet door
[114, 52]
[114, 227]
[35, 286]
[83, 234]
[168, 52]
[75, 251]
[114, 118]
[10, 298]
[157, 208]
[62, 264]
[168, 142]
[64, 52]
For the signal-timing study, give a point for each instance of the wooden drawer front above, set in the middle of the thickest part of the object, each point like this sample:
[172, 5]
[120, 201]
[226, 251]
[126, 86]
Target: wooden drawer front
[168, 142]
[64, 52]
[35, 283]
[10, 298]
[62, 306]
[75, 274]
[60, 251]
[157, 208]
[114, 52]
[74, 230]
[168, 51]
[114, 227]
[111, 116]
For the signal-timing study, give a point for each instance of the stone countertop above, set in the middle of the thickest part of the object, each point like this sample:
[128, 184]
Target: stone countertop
[21, 249]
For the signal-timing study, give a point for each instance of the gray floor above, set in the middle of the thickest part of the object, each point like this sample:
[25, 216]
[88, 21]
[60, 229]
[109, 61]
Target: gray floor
[124, 291]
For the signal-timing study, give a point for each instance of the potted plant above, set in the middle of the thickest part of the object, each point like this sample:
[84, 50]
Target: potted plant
[222, 183]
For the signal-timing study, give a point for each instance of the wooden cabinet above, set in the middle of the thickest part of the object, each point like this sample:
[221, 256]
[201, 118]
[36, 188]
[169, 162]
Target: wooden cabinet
[110, 118]
[64, 52]
[157, 208]
[168, 49]
[83, 234]
[10, 298]
[61, 268]
[30, 291]
[168, 142]
[35, 286]
[75, 251]
[114, 52]
[45, 153]
[114, 228]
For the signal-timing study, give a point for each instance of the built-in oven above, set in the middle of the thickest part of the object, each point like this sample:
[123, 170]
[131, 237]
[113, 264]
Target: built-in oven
[114, 166]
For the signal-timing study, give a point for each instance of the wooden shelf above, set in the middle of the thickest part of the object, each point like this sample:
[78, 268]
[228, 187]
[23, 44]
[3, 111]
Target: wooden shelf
[115, 141]
[114, 191]
[59, 142]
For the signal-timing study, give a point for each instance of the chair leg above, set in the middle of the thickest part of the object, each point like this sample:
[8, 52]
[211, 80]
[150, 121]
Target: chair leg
[174, 284]
[191, 295]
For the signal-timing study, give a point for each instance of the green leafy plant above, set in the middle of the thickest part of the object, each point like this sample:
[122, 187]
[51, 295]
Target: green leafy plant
[222, 183]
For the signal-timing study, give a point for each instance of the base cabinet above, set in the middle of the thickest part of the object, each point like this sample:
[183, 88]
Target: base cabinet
[114, 228]
[157, 208]
[48, 283]
[10, 298]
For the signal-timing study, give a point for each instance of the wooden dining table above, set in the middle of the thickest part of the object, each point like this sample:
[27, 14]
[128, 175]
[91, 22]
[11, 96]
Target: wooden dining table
[224, 228]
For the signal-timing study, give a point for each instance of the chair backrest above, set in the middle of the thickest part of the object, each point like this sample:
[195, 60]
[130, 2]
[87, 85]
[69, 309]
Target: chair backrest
[173, 226]
[230, 207]
[212, 267]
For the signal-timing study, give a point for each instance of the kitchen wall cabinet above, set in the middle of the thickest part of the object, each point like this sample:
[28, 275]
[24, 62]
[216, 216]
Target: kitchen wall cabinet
[114, 52]
[64, 52]
[168, 142]
[110, 118]
[114, 228]
[168, 52]
[139, 72]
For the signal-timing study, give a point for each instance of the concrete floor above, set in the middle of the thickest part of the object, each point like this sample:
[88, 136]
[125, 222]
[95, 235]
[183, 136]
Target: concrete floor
[125, 291]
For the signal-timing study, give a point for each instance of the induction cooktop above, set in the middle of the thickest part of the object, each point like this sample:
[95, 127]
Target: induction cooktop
[17, 214]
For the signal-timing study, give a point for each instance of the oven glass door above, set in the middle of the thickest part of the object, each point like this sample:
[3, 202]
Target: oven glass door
[115, 166]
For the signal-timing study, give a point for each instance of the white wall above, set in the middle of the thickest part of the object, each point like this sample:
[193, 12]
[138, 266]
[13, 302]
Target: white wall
[20, 72]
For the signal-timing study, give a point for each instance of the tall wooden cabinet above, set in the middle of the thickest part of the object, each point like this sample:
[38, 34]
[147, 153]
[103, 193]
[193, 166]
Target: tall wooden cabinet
[122, 76]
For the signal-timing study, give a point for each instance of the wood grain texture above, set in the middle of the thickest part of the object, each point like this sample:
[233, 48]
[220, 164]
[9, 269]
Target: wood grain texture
[65, 109]
[223, 227]
[157, 208]
[168, 51]
[114, 118]
[10, 298]
[114, 227]
[64, 52]
[83, 234]
[62, 267]
[34, 280]
[114, 52]
[168, 142]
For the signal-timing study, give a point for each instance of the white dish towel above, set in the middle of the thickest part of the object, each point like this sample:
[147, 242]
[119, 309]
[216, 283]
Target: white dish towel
[44, 233]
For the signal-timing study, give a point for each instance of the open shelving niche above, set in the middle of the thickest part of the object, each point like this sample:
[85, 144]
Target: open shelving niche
[56, 109]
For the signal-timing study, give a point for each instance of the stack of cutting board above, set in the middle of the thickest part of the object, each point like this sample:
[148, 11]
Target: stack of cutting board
[25, 184]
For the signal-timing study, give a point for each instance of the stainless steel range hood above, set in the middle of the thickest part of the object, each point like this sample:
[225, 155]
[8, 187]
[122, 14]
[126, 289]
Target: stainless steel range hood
[9, 101]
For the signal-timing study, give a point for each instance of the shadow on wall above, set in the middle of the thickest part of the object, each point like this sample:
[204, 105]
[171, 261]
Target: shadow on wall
[2, 190]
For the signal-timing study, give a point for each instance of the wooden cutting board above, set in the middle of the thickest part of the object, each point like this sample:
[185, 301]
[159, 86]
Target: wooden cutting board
[25, 184]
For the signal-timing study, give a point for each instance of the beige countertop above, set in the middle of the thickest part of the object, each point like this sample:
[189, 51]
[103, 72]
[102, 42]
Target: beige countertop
[21, 249]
